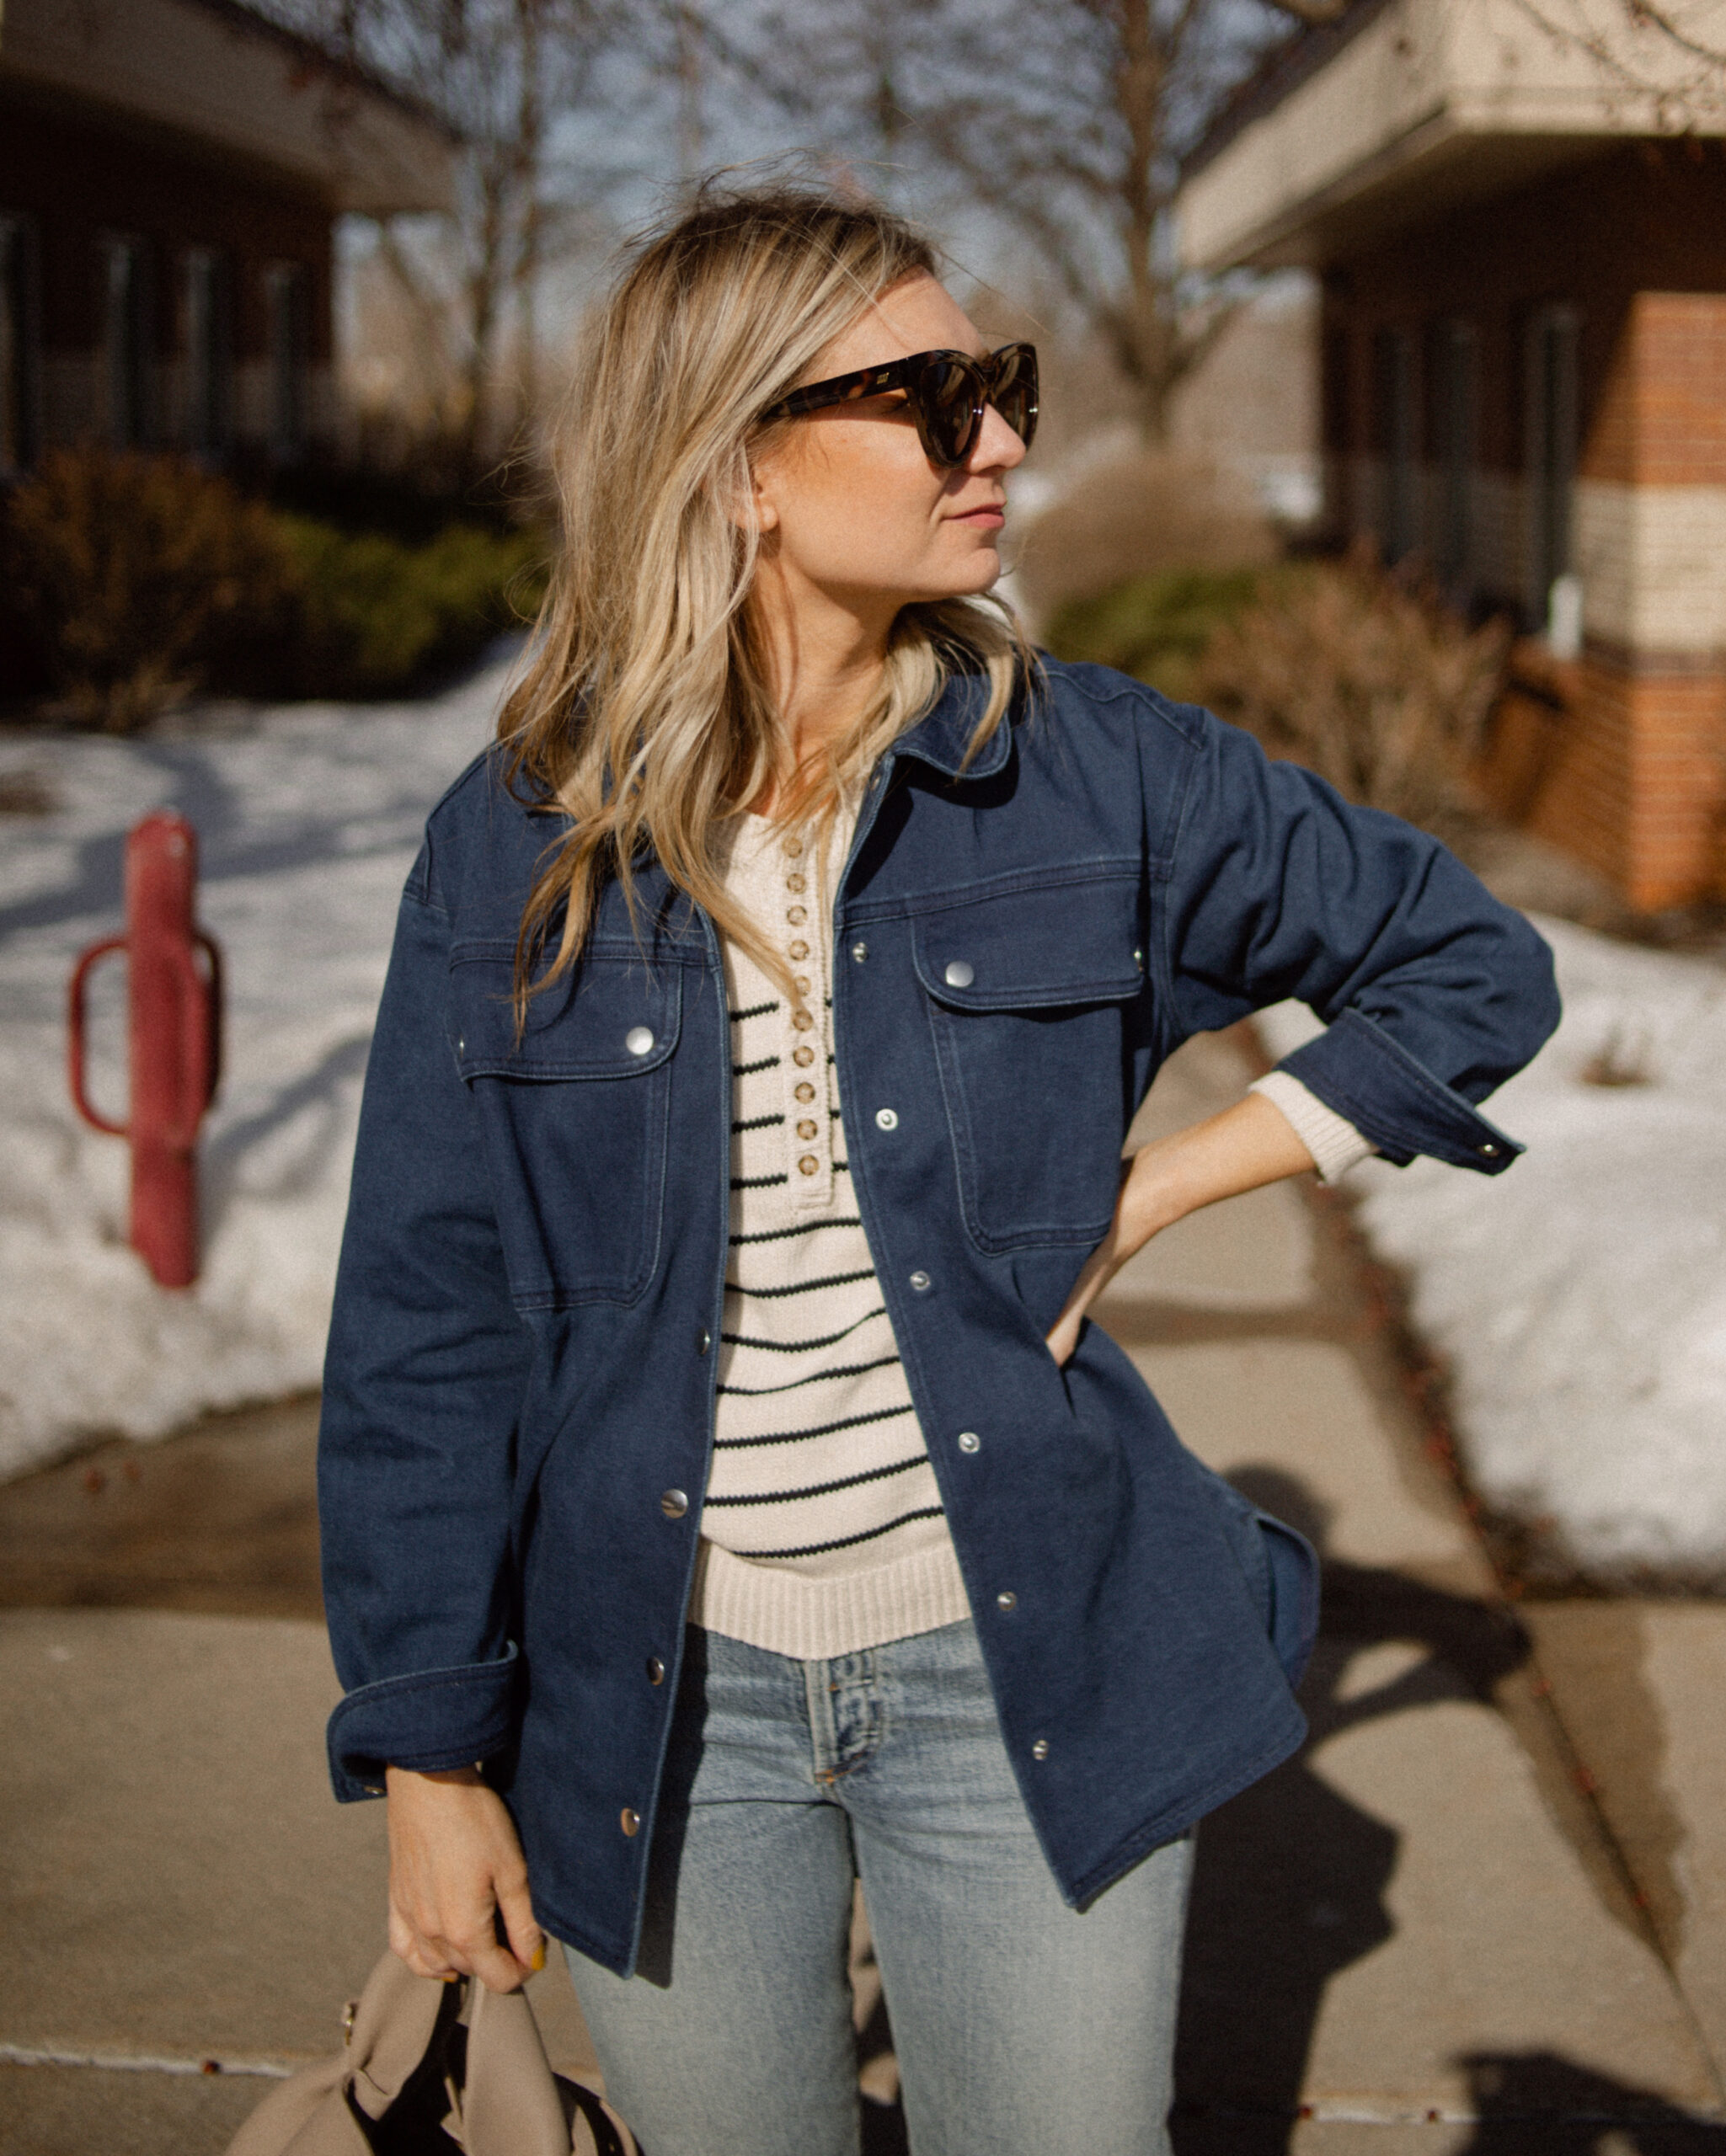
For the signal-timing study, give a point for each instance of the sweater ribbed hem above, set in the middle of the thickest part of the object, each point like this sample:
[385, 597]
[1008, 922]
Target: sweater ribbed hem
[812, 1619]
[1331, 1140]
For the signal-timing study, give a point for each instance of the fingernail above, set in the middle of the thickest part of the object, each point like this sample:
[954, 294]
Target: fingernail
[538, 1961]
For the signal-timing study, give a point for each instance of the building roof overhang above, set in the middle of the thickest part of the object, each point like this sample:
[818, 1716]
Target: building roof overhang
[214, 76]
[1355, 131]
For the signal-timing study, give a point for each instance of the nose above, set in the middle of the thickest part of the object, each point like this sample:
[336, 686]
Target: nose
[997, 448]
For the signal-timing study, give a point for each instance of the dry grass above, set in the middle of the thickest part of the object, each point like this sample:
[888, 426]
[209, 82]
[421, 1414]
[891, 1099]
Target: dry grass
[1138, 516]
[1365, 680]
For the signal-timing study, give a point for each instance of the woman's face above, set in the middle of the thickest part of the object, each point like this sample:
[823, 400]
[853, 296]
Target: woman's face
[848, 502]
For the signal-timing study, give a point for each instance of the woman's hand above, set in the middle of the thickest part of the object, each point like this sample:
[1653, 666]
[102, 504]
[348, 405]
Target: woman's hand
[455, 1867]
[1250, 1144]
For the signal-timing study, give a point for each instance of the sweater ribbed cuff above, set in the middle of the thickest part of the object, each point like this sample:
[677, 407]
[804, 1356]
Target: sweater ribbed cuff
[1335, 1145]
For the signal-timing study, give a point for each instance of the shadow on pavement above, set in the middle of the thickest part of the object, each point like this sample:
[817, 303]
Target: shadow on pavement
[1538, 2104]
[1289, 1885]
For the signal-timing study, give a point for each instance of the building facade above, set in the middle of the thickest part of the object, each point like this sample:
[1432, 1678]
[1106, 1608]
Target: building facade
[1523, 368]
[170, 174]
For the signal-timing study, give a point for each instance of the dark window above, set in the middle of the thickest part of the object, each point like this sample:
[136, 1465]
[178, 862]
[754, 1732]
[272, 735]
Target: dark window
[287, 289]
[1456, 416]
[207, 340]
[1550, 451]
[17, 348]
[1393, 427]
[126, 342]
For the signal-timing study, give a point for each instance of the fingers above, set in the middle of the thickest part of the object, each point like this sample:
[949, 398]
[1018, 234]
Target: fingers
[456, 1867]
[516, 1909]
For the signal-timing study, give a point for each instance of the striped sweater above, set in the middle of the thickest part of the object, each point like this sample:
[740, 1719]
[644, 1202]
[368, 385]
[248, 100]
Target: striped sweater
[823, 1532]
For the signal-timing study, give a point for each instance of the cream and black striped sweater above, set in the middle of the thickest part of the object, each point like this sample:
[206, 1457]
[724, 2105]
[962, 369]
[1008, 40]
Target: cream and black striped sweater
[823, 1531]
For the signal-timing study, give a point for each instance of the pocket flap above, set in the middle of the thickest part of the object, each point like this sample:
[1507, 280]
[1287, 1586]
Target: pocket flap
[1025, 950]
[609, 1017]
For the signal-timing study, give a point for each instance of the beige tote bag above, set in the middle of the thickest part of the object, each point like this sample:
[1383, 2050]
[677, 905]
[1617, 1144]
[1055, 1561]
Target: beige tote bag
[431, 2069]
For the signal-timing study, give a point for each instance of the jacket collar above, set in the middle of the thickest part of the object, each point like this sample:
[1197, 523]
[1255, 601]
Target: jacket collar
[942, 737]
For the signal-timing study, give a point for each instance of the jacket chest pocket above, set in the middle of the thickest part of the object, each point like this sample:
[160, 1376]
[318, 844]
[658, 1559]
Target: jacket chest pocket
[575, 1118]
[1028, 993]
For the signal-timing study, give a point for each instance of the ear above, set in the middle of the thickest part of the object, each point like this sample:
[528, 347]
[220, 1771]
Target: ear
[763, 497]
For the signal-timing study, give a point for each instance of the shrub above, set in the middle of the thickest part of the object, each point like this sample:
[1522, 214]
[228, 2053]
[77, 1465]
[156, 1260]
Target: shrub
[375, 617]
[131, 568]
[147, 577]
[1155, 628]
[1365, 680]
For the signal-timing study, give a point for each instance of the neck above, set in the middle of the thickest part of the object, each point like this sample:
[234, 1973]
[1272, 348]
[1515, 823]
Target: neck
[823, 653]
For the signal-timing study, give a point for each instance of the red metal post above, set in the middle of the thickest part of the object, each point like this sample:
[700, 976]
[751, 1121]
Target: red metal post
[173, 1037]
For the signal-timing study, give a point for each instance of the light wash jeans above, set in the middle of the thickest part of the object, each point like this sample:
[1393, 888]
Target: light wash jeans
[1022, 2026]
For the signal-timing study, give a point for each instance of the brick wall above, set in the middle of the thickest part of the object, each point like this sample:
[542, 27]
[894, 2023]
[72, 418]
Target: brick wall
[1621, 756]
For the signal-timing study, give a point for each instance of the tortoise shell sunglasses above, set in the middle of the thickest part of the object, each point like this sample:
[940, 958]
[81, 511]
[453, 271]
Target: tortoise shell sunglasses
[947, 393]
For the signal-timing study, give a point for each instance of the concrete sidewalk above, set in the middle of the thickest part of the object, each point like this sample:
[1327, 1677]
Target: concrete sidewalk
[1484, 1913]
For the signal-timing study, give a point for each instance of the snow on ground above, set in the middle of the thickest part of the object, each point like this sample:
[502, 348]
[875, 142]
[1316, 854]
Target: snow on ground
[308, 819]
[1580, 1297]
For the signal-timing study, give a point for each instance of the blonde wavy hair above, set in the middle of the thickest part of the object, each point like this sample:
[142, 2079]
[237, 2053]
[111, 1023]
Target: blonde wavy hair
[644, 714]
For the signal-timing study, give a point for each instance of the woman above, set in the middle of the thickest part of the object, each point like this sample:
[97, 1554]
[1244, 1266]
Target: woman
[712, 1547]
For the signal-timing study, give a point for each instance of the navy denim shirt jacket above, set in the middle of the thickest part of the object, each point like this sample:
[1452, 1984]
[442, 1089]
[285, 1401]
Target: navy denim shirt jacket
[519, 1385]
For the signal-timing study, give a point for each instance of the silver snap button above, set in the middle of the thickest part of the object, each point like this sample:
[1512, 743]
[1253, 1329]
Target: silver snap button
[1138, 959]
[859, 952]
[638, 1040]
[655, 1670]
[673, 1504]
[920, 1281]
[1040, 1750]
[969, 1441]
[630, 1822]
[885, 1119]
[703, 1341]
[960, 974]
[1007, 1599]
[461, 1048]
[1489, 1151]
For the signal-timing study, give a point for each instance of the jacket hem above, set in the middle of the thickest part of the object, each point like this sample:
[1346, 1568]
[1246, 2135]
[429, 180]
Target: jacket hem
[1169, 1825]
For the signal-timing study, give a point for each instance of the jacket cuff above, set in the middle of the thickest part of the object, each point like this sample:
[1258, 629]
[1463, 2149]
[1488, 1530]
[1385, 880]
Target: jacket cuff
[1392, 1099]
[432, 1720]
[1332, 1141]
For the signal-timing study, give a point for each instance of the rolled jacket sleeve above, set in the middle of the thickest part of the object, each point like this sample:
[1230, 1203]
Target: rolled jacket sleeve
[424, 1381]
[1432, 992]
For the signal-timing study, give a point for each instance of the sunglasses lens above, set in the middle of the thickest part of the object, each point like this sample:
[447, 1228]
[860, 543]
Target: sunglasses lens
[1015, 393]
[949, 394]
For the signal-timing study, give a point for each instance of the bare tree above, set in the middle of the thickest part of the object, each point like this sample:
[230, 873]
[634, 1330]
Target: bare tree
[1669, 55]
[502, 74]
[1067, 119]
